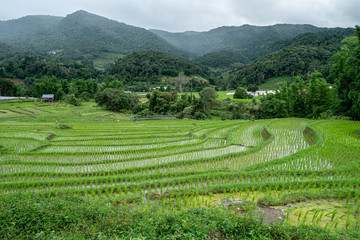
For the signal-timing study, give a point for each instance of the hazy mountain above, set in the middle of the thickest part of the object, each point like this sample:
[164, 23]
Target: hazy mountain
[6, 51]
[249, 42]
[306, 54]
[81, 35]
[226, 58]
[21, 28]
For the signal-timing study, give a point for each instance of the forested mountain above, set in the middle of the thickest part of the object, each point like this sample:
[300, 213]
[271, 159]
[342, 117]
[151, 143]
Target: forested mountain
[306, 54]
[81, 36]
[21, 29]
[6, 51]
[225, 58]
[150, 66]
[248, 42]
[35, 67]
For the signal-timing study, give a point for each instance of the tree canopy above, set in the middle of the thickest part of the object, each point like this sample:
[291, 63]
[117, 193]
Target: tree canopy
[346, 72]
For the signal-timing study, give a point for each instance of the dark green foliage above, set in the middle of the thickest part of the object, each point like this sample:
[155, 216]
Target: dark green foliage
[346, 72]
[115, 99]
[150, 66]
[160, 102]
[273, 107]
[81, 36]
[63, 126]
[85, 96]
[307, 54]
[195, 85]
[208, 97]
[319, 95]
[6, 51]
[299, 100]
[71, 99]
[35, 217]
[7, 88]
[241, 93]
[252, 88]
[48, 85]
[222, 59]
[31, 66]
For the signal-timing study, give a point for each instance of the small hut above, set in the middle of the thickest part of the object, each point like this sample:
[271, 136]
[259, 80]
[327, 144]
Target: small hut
[47, 98]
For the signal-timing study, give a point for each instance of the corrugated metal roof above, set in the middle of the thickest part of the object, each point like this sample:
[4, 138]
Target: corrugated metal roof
[48, 96]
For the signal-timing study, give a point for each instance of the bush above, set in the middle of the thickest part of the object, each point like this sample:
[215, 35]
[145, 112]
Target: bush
[63, 126]
[188, 112]
[85, 96]
[241, 93]
[115, 99]
[200, 115]
[71, 99]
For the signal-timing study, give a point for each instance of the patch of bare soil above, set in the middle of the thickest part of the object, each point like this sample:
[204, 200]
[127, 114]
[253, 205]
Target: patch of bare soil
[268, 214]
[272, 215]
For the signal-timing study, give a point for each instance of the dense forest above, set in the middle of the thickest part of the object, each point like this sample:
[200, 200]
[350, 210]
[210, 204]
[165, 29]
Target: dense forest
[307, 54]
[151, 66]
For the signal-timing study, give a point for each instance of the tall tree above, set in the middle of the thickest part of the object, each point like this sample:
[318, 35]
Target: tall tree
[207, 97]
[297, 97]
[319, 96]
[346, 72]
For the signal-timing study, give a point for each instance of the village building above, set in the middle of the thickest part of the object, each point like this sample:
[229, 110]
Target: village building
[47, 98]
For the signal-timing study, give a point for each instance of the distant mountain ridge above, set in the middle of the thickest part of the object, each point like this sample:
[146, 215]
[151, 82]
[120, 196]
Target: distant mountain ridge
[12, 29]
[81, 35]
[85, 36]
[249, 41]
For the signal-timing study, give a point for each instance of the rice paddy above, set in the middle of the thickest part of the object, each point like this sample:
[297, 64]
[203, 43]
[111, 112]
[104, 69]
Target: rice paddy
[166, 165]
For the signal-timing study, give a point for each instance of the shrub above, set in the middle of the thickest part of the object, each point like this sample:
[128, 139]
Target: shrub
[241, 93]
[71, 99]
[199, 115]
[63, 126]
[115, 99]
[85, 96]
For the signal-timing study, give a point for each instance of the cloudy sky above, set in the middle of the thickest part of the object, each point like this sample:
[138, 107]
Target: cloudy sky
[197, 15]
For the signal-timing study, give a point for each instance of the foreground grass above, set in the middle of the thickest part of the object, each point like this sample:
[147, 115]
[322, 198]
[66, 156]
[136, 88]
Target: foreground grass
[35, 217]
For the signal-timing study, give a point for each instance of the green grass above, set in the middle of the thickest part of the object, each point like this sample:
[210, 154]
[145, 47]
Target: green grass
[105, 59]
[274, 83]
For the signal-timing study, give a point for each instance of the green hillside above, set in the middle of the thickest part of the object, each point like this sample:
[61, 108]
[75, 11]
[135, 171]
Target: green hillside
[250, 41]
[150, 66]
[83, 36]
[17, 30]
[307, 54]
[6, 51]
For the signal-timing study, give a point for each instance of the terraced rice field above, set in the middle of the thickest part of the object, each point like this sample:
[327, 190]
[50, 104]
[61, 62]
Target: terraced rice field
[174, 164]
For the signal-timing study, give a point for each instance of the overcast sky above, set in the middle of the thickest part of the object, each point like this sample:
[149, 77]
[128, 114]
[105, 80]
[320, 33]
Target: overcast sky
[197, 15]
